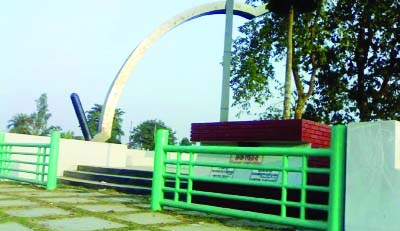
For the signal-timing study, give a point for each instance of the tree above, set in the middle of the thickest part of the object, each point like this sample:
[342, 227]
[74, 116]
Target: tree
[185, 142]
[361, 80]
[350, 51]
[67, 135]
[35, 123]
[20, 123]
[267, 40]
[41, 117]
[93, 117]
[142, 136]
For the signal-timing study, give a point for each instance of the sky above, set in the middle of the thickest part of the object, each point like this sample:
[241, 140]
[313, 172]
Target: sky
[74, 46]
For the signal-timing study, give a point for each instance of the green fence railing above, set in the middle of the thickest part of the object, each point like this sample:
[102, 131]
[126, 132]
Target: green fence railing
[34, 163]
[184, 178]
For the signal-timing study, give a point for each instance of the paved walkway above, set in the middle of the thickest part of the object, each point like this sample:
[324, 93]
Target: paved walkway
[26, 207]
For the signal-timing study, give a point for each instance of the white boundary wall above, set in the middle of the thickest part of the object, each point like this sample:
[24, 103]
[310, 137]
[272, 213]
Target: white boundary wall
[78, 152]
[373, 177]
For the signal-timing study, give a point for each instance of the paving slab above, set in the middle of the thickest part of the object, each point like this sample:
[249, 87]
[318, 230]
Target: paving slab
[70, 190]
[6, 203]
[203, 227]
[201, 214]
[250, 223]
[106, 208]
[12, 226]
[141, 205]
[18, 189]
[139, 230]
[149, 218]
[90, 194]
[119, 199]
[67, 200]
[37, 212]
[46, 194]
[4, 197]
[80, 224]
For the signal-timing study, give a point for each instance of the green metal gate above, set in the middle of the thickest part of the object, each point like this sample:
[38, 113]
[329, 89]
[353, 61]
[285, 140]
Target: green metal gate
[184, 170]
[38, 161]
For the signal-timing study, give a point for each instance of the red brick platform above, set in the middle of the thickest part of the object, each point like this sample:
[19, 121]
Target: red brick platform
[302, 131]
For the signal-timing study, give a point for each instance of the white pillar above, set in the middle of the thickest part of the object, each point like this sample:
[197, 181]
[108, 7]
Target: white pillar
[373, 177]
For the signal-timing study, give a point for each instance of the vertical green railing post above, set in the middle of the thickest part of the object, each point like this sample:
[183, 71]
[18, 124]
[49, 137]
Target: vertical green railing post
[2, 138]
[53, 161]
[285, 165]
[336, 182]
[160, 155]
[303, 191]
[190, 180]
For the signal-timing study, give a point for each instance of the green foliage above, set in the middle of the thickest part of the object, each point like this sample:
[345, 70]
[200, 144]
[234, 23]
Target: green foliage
[361, 80]
[350, 48]
[185, 142]
[41, 117]
[68, 135]
[34, 124]
[20, 123]
[264, 42]
[142, 136]
[93, 117]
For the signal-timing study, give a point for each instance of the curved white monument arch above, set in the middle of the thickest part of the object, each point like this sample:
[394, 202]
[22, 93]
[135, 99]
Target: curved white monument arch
[114, 93]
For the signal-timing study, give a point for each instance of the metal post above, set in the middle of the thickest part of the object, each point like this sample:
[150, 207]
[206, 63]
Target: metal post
[336, 194]
[157, 195]
[224, 112]
[53, 161]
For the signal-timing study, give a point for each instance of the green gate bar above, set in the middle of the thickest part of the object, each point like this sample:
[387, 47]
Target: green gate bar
[334, 208]
[44, 159]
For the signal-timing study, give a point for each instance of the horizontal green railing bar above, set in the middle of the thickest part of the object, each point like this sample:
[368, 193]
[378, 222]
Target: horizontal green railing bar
[246, 182]
[249, 199]
[251, 151]
[23, 170]
[248, 166]
[25, 162]
[26, 153]
[312, 224]
[31, 181]
[30, 145]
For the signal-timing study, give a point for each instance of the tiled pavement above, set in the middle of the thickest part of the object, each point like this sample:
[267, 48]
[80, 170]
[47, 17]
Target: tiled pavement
[26, 208]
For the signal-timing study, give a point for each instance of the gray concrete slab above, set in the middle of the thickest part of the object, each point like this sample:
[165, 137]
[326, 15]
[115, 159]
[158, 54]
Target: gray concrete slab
[141, 205]
[46, 194]
[90, 194]
[201, 214]
[80, 224]
[14, 203]
[106, 208]
[67, 200]
[37, 212]
[250, 223]
[17, 189]
[149, 218]
[119, 199]
[202, 227]
[12, 226]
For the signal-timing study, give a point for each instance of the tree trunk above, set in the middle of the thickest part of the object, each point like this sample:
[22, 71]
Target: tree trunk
[288, 77]
[298, 112]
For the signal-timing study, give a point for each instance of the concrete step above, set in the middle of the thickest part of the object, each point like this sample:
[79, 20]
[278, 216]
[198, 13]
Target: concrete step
[98, 185]
[116, 171]
[115, 179]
